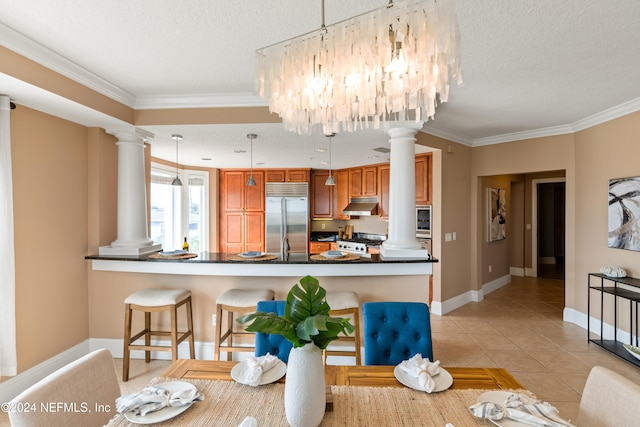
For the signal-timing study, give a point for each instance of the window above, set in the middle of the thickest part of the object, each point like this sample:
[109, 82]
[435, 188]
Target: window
[179, 212]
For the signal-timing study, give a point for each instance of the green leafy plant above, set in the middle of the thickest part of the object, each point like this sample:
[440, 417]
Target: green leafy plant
[306, 317]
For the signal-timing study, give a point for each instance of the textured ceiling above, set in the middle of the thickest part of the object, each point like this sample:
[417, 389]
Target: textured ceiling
[528, 67]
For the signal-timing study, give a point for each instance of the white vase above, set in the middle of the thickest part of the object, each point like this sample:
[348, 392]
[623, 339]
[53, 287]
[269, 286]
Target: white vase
[304, 388]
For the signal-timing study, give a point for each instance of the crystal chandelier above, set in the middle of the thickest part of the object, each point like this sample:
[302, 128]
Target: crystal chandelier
[392, 63]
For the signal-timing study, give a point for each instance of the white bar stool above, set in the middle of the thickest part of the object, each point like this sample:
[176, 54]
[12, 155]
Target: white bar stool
[156, 300]
[236, 301]
[341, 304]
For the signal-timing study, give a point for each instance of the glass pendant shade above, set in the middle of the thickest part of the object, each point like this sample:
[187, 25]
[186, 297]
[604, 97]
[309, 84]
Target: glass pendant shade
[330, 180]
[176, 181]
[392, 63]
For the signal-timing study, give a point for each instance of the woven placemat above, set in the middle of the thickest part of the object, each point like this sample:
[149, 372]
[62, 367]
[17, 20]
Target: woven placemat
[265, 257]
[181, 256]
[227, 403]
[348, 257]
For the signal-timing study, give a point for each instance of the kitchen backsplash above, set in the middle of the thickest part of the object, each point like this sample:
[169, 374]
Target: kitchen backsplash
[364, 224]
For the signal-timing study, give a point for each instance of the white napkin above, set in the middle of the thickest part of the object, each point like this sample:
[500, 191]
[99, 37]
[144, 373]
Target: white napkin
[522, 408]
[249, 422]
[154, 398]
[423, 370]
[257, 366]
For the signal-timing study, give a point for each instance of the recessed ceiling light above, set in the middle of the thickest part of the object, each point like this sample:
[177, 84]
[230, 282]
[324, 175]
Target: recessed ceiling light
[260, 163]
[324, 163]
[205, 158]
[320, 150]
[239, 151]
[373, 156]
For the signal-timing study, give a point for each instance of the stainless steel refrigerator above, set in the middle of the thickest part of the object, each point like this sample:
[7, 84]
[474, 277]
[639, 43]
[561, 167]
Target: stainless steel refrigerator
[287, 219]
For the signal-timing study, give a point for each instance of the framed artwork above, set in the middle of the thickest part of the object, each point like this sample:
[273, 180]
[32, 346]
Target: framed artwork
[497, 203]
[624, 213]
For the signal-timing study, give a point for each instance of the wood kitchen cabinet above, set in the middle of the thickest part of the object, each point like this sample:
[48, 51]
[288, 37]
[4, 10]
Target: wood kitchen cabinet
[321, 195]
[423, 184]
[383, 191]
[241, 211]
[341, 193]
[319, 247]
[423, 179]
[287, 175]
[363, 182]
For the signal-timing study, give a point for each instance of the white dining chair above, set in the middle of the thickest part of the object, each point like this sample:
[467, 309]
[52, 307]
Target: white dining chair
[80, 394]
[609, 400]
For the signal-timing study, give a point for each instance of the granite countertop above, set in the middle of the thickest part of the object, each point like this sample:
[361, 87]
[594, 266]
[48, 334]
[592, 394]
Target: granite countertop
[227, 258]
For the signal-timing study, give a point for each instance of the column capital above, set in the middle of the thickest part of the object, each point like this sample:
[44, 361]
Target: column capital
[404, 129]
[129, 133]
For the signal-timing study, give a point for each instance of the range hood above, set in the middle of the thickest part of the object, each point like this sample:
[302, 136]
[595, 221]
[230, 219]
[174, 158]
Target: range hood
[361, 206]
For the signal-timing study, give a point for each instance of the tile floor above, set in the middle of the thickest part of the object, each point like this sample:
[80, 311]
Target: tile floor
[518, 327]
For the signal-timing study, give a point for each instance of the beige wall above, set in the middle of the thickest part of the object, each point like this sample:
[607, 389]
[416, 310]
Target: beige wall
[65, 190]
[49, 159]
[603, 152]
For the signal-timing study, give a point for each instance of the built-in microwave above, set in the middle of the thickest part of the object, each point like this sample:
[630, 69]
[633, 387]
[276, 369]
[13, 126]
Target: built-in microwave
[423, 221]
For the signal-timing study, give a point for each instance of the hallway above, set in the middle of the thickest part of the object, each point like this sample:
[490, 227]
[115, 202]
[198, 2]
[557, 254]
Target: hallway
[519, 327]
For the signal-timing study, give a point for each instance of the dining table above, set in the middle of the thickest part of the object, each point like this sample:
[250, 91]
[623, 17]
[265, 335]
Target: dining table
[356, 396]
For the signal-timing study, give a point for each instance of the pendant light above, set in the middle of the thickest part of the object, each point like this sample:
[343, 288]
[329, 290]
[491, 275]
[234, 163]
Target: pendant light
[176, 180]
[330, 180]
[251, 182]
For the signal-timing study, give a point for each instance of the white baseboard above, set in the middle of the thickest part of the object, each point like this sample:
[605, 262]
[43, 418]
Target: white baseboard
[14, 386]
[517, 271]
[441, 308]
[531, 272]
[608, 331]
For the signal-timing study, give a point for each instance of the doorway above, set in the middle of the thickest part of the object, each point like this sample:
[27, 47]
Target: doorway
[549, 241]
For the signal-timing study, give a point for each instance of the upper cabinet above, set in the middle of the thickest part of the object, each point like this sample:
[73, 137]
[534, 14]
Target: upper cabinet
[341, 193]
[383, 191]
[321, 195]
[287, 175]
[423, 179]
[363, 182]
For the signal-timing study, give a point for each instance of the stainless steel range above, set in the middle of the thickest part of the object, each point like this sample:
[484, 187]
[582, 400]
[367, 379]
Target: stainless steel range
[358, 245]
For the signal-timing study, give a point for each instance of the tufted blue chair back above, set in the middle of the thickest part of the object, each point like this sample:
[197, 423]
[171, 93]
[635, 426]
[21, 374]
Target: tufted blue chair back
[396, 331]
[274, 344]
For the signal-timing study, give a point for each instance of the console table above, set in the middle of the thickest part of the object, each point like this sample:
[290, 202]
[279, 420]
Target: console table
[626, 288]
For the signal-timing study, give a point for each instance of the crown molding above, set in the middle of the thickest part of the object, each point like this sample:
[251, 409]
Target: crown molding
[451, 136]
[206, 100]
[28, 48]
[607, 115]
[528, 134]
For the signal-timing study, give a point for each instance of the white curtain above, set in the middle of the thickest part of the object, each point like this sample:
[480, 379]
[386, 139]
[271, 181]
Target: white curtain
[8, 359]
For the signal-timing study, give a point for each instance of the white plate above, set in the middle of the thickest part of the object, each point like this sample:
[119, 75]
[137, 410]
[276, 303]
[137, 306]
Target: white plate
[252, 254]
[166, 412]
[171, 253]
[443, 380]
[272, 375]
[332, 254]
[633, 350]
[499, 397]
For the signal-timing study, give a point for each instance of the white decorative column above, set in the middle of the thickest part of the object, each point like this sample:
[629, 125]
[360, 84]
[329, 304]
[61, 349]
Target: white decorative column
[133, 228]
[402, 242]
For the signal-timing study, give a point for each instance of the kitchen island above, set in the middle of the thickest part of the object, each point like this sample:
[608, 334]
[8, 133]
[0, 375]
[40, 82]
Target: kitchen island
[224, 264]
[112, 278]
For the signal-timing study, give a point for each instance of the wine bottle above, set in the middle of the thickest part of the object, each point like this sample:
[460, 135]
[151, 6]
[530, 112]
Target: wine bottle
[185, 245]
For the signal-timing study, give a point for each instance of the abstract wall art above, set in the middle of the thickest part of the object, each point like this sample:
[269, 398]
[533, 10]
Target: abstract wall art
[497, 202]
[624, 213]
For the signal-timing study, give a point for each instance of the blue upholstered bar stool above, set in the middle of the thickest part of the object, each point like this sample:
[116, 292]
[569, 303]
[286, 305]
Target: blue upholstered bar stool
[151, 301]
[396, 331]
[346, 304]
[274, 344]
[236, 301]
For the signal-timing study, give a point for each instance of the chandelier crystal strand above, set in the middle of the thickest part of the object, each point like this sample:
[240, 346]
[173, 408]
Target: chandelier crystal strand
[388, 64]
